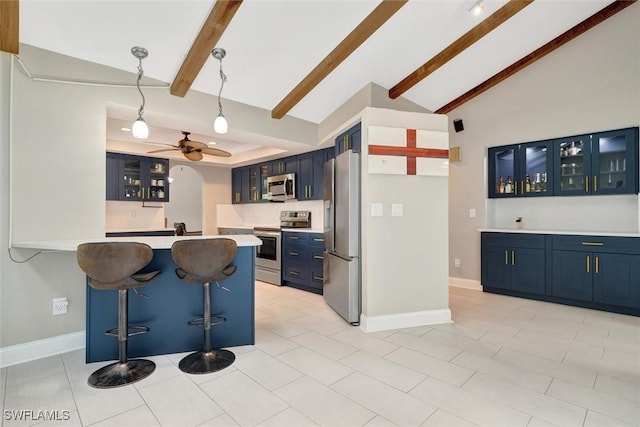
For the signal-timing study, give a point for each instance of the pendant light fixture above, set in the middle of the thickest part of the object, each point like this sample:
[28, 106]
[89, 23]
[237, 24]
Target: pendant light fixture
[220, 125]
[140, 130]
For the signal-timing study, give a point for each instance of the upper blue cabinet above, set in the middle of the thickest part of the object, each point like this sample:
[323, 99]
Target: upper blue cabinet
[349, 140]
[521, 170]
[599, 163]
[590, 164]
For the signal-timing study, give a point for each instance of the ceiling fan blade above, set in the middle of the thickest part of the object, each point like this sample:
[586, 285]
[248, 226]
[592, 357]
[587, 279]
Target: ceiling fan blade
[193, 155]
[195, 144]
[164, 149]
[216, 152]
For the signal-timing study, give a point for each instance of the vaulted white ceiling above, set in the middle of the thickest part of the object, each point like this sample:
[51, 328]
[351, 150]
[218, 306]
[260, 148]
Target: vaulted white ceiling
[273, 44]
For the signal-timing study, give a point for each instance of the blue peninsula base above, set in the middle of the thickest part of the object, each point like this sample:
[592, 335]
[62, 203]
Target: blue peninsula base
[171, 303]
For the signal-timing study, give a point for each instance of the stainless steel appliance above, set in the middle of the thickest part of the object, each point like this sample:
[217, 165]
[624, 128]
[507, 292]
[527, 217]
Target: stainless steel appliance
[341, 266]
[295, 219]
[268, 255]
[281, 187]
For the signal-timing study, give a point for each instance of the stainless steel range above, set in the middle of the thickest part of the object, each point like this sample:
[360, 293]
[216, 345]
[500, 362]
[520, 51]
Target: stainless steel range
[269, 254]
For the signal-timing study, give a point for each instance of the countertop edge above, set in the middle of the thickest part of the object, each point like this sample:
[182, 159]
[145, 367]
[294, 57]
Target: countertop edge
[156, 242]
[565, 232]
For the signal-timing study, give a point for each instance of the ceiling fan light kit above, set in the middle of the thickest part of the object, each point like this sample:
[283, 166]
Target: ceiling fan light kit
[193, 150]
[220, 124]
[140, 130]
[477, 8]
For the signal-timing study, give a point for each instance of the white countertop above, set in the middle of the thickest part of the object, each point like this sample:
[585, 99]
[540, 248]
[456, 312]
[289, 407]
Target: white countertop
[156, 242]
[567, 232]
[139, 230]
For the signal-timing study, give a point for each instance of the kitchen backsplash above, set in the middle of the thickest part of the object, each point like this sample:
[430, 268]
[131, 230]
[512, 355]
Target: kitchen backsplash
[267, 214]
[131, 215]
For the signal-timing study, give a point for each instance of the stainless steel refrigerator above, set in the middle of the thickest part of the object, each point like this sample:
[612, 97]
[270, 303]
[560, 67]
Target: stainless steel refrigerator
[341, 274]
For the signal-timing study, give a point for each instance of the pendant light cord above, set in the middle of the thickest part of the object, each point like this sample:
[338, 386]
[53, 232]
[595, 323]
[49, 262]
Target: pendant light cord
[223, 77]
[140, 74]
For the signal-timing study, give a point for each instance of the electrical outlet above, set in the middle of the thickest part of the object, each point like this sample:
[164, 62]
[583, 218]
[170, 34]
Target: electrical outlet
[60, 306]
[456, 262]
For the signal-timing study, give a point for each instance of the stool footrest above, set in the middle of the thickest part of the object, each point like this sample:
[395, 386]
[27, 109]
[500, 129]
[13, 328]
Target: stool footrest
[132, 330]
[199, 321]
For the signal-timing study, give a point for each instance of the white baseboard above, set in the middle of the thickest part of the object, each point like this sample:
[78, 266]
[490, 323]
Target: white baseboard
[404, 320]
[20, 353]
[459, 282]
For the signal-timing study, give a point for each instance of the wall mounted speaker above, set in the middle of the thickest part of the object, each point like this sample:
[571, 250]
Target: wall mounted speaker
[458, 126]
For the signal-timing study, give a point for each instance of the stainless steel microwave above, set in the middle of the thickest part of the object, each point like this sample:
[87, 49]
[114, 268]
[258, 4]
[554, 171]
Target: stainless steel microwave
[281, 187]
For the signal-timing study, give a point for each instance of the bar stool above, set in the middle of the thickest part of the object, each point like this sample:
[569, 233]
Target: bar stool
[112, 266]
[205, 261]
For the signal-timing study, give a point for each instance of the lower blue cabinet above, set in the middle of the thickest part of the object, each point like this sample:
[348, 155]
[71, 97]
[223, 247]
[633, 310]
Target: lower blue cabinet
[302, 260]
[514, 262]
[599, 272]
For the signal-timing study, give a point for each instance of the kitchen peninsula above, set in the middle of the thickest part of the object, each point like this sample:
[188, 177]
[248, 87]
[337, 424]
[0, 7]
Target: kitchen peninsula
[167, 304]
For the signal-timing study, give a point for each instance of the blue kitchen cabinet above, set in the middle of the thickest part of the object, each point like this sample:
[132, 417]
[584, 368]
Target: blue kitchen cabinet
[241, 185]
[521, 170]
[137, 178]
[597, 164]
[284, 165]
[113, 176]
[302, 260]
[310, 177]
[514, 262]
[351, 139]
[600, 270]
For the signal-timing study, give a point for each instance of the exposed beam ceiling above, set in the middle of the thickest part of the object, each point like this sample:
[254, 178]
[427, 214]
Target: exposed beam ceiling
[212, 29]
[462, 43]
[9, 26]
[362, 32]
[567, 36]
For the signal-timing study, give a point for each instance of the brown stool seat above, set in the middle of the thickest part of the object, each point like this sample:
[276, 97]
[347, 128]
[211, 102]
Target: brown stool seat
[115, 266]
[205, 261]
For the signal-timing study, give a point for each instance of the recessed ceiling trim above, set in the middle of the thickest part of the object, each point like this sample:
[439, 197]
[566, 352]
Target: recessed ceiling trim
[211, 31]
[9, 26]
[470, 37]
[595, 19]
[346, 47]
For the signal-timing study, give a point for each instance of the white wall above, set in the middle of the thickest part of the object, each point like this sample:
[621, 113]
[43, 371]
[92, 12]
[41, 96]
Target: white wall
[404, 269]
[590, 84]
[185, 204]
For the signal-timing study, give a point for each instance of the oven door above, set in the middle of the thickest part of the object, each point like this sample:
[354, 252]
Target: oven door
[268, 254]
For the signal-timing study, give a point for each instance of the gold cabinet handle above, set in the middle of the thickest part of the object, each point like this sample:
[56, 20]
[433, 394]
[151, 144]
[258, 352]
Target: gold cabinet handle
[506, 257]
[294, 273]
[588, 262]
[595, 183]
[320, 278]
[597, 264]
[346, 142]
[294, 253]
[513, 257]
[318, 239]
[293, 237]
[586, 184]
[592, 244]
[521, 187]
[318, 257]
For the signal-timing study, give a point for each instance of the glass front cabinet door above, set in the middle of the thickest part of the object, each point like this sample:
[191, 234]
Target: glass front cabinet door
[520, 170]
[600, 163]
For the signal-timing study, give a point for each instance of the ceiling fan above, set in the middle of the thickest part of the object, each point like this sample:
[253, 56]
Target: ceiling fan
[193, 150]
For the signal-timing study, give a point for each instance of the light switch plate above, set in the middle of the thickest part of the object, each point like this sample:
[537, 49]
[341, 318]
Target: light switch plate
[397, 209]
[377, 209]
[472, 213]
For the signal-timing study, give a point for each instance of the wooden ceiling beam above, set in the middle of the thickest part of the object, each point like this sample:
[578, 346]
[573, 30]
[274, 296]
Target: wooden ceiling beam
[210, 33]
[539, 53]
[466, 40]
[385, 10]
[10, 26]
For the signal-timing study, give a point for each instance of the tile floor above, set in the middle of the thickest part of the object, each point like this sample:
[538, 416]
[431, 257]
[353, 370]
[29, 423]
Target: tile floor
[504, 362]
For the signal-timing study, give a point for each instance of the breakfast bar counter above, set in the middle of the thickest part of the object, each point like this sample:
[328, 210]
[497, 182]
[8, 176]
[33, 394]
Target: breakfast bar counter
[167, 304]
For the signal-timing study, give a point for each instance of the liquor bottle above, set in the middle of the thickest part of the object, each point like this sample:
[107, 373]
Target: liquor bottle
[508, 188]
[527, 185]
[500, 185]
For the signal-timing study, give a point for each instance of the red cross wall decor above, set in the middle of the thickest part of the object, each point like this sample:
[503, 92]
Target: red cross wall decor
[411, 150]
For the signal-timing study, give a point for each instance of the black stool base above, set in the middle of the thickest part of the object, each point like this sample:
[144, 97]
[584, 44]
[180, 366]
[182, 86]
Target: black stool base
[118, 374]
[202, 362]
